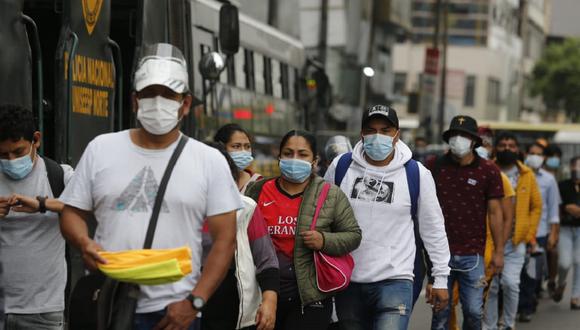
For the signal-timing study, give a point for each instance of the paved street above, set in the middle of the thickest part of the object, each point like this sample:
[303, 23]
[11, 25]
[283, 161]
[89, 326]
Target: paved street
[550, 316]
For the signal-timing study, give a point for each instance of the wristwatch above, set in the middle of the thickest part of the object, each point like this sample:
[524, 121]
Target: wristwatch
[41, 204]
[197, 302]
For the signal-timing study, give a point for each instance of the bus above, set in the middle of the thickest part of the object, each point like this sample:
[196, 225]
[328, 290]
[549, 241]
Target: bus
[72, 61]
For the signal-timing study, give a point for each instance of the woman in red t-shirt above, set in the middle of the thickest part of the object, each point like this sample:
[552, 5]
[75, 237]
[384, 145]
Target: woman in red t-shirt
[288, 203]
[238, 145]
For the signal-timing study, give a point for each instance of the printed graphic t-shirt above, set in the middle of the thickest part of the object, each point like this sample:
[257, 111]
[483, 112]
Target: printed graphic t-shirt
[280, 212]
[118, 181]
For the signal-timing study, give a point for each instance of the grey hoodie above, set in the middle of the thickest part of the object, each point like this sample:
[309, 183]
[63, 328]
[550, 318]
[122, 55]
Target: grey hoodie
[382, 205]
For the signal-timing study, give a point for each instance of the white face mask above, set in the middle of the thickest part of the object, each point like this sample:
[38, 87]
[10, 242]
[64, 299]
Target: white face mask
[482, 152]
[460, 146]
[534, 161]
[158, 115]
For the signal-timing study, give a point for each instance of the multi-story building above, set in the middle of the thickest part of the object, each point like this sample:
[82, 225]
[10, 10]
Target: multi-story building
[484, 56]
[360, 33]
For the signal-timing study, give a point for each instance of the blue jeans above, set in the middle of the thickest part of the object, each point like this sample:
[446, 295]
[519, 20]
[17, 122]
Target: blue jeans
[40, 321]
[514, 257]
[148, 321]
[569, 255]
[384, 305]
[469, 271]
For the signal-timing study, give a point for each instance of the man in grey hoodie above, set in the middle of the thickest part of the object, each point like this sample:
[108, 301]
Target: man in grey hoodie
[380, 293]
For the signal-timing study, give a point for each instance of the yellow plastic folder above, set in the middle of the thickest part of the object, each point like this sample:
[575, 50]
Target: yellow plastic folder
[147, 267]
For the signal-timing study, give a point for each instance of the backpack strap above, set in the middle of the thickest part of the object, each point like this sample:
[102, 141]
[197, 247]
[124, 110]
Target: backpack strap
[55, 175]
[319, 204]
[412, 171]
[341, 168]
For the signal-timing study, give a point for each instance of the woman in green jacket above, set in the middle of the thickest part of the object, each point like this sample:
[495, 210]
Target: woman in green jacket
[288, 203]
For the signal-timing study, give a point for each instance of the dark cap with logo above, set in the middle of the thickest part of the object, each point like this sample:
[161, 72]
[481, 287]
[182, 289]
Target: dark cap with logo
[465, 125]
[381, 110]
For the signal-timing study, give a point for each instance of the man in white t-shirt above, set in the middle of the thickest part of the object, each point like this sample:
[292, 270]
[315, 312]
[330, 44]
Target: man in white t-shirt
[33, 250]
[117, 180]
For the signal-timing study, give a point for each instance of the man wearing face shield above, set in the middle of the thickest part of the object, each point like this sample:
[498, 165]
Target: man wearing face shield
[375, 180]
[336, 145]
[117, 180]
[469, 188]
[528, 209]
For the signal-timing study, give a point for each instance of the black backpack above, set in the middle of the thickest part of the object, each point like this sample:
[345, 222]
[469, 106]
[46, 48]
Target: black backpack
[55, 175]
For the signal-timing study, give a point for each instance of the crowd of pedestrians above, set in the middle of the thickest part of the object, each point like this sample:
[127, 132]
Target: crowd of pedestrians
[340, 241]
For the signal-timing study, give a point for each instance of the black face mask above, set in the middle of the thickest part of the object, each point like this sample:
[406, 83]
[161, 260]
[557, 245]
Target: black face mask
[506, 157]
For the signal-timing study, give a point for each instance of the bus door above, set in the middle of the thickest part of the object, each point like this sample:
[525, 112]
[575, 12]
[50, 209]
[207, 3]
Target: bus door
[85, 77]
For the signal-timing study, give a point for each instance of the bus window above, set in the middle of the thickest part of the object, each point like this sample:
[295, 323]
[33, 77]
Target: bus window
[239, 63]
[260, 83]
[276, 80]
[268, 78]
[284, 84]
[249, 69]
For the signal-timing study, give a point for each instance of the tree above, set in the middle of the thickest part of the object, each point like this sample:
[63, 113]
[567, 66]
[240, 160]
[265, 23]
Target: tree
[556, 77]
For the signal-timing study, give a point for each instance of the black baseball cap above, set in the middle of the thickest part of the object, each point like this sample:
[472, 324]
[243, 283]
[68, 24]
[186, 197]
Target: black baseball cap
[463, 124]
[381, 110]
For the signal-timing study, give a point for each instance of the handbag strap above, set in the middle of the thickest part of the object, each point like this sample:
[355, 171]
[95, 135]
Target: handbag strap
[319, 204]
[161, 192]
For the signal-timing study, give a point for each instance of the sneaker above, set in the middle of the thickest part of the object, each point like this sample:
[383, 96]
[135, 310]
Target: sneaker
[575, 304]
[551, 288]
[525, 318]
[559, 293]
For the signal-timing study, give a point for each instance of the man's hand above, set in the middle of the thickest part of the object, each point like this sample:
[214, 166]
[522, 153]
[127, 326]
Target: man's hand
[90, 252]
[25, 204]
[437, 298]
[266, 316]
[496, 264]
[313, 240]
[4, 206]
[179, 316]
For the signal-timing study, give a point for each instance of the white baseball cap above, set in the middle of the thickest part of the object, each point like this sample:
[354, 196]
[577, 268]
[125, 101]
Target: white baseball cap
[162, 64]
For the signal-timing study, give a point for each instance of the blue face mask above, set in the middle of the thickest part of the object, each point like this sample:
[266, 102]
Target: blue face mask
[18, 168]
[295, 170]
[482, 152]
[553, 162]
[242, 159]
[378, 146]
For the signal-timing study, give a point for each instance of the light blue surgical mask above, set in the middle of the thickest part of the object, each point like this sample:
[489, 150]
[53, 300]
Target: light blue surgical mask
[243, 159]
[295, 170]
[553, 162]
[378, 146]
[482, 152]
[18, 168]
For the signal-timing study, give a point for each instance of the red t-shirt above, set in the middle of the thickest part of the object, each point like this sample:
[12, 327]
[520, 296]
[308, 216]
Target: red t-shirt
[463, 193]
[280, 211]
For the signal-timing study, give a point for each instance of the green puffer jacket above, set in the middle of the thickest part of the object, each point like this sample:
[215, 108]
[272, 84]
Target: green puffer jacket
[337, 224]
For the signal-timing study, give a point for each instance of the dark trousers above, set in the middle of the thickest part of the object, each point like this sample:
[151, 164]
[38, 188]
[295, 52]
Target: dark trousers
[531, 279]
[290, 315]
[148, 321]
[221, 311]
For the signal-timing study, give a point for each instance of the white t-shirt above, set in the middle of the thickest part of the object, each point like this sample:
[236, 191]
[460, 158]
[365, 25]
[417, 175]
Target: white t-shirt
[33, 249]
[118, 181]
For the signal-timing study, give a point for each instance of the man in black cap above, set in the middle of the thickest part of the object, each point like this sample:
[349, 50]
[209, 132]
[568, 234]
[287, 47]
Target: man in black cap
[383, 184]
[468, 186]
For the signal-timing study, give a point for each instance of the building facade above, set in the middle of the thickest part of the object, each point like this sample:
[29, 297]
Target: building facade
[488, 59]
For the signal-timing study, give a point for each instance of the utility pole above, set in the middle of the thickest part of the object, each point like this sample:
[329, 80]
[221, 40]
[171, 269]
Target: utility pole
[437, 14]
[443, 86]
[272, 12]
[364, 86]
[323, 32]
